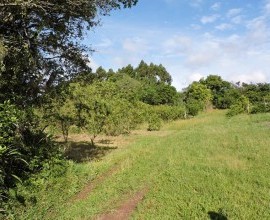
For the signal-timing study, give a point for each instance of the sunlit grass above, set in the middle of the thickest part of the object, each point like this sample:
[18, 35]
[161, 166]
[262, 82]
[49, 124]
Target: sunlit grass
[206, 164]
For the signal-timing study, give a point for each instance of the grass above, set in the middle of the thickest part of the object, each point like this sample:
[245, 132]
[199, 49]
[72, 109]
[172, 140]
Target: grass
[206, 167]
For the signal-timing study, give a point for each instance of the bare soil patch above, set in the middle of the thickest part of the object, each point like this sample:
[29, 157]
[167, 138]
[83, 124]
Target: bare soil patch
[126, 209]
[84, 193]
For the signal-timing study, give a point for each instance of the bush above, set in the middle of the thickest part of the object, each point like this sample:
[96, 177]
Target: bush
[235, 110]
[124, 116]
[194, 107]
[168, 113]
[260, 108]
[240, 107]
[24, 147]
[154, 123]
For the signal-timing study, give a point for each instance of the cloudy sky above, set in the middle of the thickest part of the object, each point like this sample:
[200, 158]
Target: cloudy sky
[191, 38]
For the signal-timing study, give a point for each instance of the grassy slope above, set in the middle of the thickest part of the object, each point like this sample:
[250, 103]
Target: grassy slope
[209, 163]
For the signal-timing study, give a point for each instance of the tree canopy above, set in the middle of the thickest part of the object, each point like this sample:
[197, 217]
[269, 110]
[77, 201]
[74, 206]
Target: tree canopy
[42, 42]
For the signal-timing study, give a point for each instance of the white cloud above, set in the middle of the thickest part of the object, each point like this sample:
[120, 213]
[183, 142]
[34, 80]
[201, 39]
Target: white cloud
[135, 45]
[202, 54]
[216, 6]
[259, 31]
[177, 44]
[105, 42]
[237, 19]
[195, 77]
[224, 26]
[267, 7]
[93, 65]
[252, 77]
[234, 12]
[195, 3]
[196, 26]
[209, 19]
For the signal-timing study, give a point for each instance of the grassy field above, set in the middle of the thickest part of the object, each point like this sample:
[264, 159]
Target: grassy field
[206, 167]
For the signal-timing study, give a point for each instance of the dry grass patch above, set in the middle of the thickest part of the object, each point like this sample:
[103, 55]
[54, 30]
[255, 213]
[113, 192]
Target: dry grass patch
[229, 161]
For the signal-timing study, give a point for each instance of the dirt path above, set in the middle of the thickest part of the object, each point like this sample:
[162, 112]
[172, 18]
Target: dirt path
[84, 193]
[126, 208]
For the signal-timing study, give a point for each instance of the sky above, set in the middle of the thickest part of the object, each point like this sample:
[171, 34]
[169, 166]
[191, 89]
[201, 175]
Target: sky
[190, 38]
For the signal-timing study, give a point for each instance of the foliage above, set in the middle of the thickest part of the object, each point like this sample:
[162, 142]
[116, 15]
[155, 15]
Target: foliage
[94, 115]
[260, 108]
[152, 73]
[154, 123]
[194, 106]
[127, 87]
[259, 96]
[24, 147]
[197, 97]
[159, 94]
[124, 117]
[241, 106]
[169, 113]
[219, 89]
[42, 42]
[101, 74]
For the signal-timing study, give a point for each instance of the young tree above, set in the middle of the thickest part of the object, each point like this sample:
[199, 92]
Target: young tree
[197, 96]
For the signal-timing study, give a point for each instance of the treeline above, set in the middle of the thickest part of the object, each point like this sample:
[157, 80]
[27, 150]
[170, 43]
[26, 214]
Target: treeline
[113, 103]
[221, 94]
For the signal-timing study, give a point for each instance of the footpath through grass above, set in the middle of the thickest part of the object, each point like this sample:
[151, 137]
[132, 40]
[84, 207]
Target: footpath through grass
[195, 169]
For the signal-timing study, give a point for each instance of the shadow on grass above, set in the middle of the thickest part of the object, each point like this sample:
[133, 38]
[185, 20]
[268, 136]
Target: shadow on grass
[217, 215]
[84, 151]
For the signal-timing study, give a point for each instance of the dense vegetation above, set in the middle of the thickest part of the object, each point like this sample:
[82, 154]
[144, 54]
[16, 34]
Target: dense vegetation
[47, 87]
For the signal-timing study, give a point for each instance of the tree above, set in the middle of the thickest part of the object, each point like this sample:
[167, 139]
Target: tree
[152, 73]
[101, 74]
[129, 70]
[197, 96]
[219, 88]
[159, 94]
[42, 42]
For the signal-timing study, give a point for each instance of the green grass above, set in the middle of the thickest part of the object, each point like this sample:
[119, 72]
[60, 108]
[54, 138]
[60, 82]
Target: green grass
[206, 164]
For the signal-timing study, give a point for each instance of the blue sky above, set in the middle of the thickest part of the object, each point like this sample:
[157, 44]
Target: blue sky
[191, 38]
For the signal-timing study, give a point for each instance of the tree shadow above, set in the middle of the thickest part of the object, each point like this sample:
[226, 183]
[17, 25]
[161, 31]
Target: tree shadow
[217, 215]
[105, 141]
[84, 151]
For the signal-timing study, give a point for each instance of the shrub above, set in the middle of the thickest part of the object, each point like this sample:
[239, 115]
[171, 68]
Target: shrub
[124, 116]
[194, 107]
[169, 113]
[154, 123]
[240, 107]
[260, 108]
[24, 147]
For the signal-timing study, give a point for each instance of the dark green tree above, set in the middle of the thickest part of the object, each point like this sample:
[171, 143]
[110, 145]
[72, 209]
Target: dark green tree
[219, 88]
[128, 70]
[42, 39]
